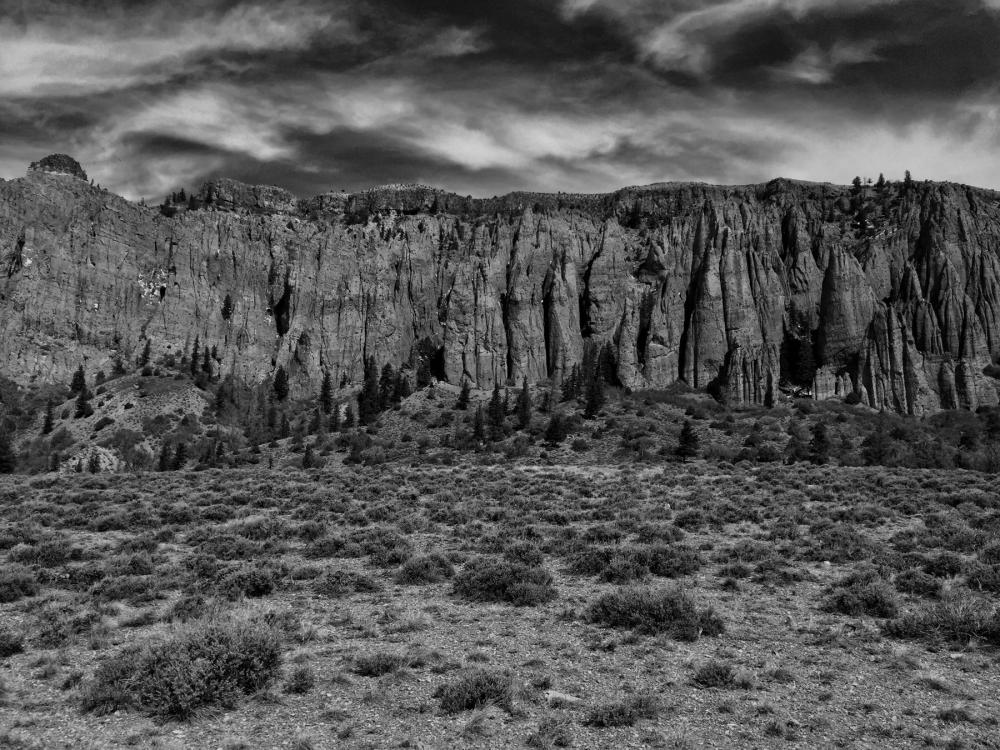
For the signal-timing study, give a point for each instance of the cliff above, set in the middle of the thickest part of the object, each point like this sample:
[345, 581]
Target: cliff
[891, 294]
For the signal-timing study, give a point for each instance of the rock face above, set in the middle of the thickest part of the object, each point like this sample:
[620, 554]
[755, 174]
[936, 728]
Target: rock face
[892, 295]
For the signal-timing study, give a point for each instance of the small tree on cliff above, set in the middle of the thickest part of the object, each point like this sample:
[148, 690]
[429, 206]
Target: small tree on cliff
[368, 399]
[689, 444]
[478, 426]
[79, 381]
[571, 384]
[496, 413]
[386, 386]
[401, 388]
[227, 308]
[595, 395]
[8, 461]
[146, 352]
[49, 422]
[83, 407]
[195, 361]
[280, 384]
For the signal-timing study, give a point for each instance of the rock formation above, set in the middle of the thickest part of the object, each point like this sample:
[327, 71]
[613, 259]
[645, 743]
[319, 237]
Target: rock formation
[892, 295]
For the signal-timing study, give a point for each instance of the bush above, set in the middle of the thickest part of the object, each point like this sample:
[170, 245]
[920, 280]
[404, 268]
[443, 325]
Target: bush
[553, 731]
[672, 612]
[210, 665]
[340, 583]
[490, 580]
[476, 689]
[16, 582]
[10, 644]
[954, 621]
[252, 581]
[623, 713]
[917, 582]
[378, 664]
[300, 681]
[432, 568]
[862, 593]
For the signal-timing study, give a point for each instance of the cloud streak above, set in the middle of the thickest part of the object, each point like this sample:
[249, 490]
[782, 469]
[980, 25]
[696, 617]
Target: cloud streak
[482, 98]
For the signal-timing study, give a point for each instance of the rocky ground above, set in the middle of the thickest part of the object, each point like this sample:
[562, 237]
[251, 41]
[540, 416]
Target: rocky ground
[699, 604]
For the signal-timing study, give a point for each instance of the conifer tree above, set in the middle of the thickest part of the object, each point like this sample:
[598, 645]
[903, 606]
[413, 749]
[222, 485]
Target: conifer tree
[280, 384]
[523, 405]
[195, 361]
[180, 457]
[49, 422]
[79, 381]
[478, 426]
[819, 445]
[496, 414]
[94, 463]
[8, 461]
[386, 386]
[689, 444]
[335, 418]
[227, 308]
[401, 388]
[146, 352]
[595, 395]
[368, 399]
[349, 419]
[308, 458]
[326, 393]
[166, 458]
[571, 384]
[463, 396]
[83, 407]
[206, 362]
[556, 430]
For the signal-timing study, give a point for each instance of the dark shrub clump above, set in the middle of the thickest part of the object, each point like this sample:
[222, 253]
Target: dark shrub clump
[672, 612]
[490, 580]
[475, 690]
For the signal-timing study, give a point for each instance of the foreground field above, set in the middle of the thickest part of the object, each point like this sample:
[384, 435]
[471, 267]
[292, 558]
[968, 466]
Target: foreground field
[692, 605]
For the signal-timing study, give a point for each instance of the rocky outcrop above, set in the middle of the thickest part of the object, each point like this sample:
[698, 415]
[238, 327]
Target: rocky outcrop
[892, 295]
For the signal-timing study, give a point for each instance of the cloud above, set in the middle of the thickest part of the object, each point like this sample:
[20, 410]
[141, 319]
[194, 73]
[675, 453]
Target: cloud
[484, 97]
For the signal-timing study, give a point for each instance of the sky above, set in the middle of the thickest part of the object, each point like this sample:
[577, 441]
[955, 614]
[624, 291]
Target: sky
[483, 97]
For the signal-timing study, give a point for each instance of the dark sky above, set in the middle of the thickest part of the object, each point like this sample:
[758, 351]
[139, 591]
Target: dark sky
[488, 96]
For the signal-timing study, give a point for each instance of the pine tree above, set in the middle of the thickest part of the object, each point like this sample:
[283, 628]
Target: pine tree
[595, 396]
[349, 418]
[79, 381]
[523, 407]
[94, 463]
[881, 181]
[206, 362]
[180, 457]
[556, 430]
[819, 445]
[608, 364]
[368, 399]
[49, 422]
[907, 181]
[424, 376]
[227, 308]
[280, 384]
[571, 384]
[83, 407]
[386, 386]
[8, 461]
[401, 389]
[166, 459]
[463, 396]
[496, 413]
[689, 445]
[146, 352]
[335, 418]
[195, 360]
[308, 458]
[478, 426]
[326, 393]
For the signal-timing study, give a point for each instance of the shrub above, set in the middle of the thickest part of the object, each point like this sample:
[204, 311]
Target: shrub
[720, 674]
[624, 713]
[340, 583]
[917, 582]
[10, 644]
[16, 582]
[490, 580]
[672, 612]
[378, 664]
[300, 681]
[862, 593]
[952, 621]
[249, 580]
[476, 689]
[210, 665]
[553, 731]
[432, 568]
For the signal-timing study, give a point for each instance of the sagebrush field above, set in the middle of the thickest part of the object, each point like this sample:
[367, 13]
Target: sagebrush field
[697, 604]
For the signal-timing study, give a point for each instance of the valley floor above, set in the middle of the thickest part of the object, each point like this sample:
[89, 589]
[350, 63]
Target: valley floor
[692, 605]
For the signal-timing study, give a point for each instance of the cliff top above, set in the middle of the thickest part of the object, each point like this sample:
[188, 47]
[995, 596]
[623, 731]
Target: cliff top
[59, 164]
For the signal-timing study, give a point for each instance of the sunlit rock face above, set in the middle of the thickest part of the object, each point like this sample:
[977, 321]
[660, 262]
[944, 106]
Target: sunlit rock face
[892, 295]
